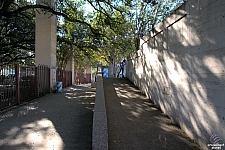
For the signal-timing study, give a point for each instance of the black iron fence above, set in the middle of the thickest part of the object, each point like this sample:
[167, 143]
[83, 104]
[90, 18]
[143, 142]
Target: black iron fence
[19, 84]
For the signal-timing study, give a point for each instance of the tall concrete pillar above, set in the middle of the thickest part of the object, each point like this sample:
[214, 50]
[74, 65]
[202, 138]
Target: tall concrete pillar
[89, 72]
[45, 40]
[70, 67]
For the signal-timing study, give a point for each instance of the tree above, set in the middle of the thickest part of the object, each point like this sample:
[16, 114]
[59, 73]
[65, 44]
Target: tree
[146, 14]
[17, 19]
[110, 30]
[118, 33]
[16, 35]
[75, 39]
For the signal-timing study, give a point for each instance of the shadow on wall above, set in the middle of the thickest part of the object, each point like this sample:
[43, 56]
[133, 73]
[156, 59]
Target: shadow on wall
[181, 67]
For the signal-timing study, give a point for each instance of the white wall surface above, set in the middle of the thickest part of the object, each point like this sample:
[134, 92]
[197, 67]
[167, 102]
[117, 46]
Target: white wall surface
[181, 67]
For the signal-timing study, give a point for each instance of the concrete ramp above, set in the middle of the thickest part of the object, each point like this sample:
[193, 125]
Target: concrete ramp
[135, 123]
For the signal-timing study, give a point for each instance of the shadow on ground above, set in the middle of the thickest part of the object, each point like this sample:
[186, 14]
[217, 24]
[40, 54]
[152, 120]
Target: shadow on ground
[134, 122]
[57, 121]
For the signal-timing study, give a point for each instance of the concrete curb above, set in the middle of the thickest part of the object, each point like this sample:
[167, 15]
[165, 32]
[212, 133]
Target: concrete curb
[99, 129]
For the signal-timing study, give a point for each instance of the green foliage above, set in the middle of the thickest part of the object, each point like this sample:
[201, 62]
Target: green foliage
[147, 13]
[17, 35]
[106, 31]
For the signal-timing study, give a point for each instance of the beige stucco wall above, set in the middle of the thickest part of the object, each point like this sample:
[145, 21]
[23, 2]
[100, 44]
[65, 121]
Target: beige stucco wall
[45, 40]
[181, 67]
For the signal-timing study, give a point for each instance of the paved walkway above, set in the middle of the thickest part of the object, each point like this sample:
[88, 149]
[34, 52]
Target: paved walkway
[61, 121]
[134, 123]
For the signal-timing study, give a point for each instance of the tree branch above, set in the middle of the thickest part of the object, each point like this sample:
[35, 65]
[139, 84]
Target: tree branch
[51, 10]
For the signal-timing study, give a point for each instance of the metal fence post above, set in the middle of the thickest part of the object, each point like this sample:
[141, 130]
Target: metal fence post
[70, 78]
[49, 84]
[66, 78]
[37, 81]
[17, 84]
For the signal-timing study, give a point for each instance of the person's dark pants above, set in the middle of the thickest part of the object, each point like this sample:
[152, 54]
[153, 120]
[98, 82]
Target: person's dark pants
[122, 72]
[121, 69]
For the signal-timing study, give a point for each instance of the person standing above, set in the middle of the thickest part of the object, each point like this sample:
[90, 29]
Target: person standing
[122, 66]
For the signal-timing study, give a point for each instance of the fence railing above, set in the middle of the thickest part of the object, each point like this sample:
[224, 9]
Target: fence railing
[19, 84]
[7, 86]
[27, 83]
[82, 78]
[43, 86]
[65, 77]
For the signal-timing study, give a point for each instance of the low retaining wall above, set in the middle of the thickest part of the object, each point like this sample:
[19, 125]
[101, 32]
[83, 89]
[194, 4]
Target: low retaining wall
[100, 130]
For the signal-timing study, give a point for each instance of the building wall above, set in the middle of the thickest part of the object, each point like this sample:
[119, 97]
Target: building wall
[180, 66]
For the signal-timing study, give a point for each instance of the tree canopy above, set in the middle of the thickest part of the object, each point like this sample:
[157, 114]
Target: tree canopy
[16, 34]
[97, 30]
